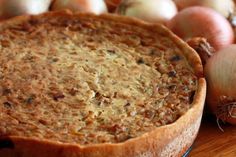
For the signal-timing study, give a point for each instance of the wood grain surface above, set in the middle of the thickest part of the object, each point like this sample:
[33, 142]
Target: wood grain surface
[212, 142]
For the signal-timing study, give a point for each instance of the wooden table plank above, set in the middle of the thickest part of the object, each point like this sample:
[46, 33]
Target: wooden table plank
[212, 142]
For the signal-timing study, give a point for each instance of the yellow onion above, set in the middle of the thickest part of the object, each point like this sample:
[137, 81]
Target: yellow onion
[11, 8]
[202, 22]
[151, 10]
[220, 72]
[92, 6]
[224, 7]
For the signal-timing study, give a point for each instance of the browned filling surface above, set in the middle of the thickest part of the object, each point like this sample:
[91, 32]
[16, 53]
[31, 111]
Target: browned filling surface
[89, 81]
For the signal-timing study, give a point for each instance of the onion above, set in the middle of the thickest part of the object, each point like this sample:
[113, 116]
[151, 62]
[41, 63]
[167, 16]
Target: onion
[202, 22]
[93, 6]
[220, 72]
[225, 7]
[10, 8]
[202, 47]
[112, 4]
[151, 10]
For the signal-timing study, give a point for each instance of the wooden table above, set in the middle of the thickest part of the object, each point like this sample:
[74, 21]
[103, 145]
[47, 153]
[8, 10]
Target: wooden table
[212, 142]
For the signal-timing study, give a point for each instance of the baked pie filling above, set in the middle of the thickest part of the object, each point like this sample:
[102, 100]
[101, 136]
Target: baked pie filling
[89, 81]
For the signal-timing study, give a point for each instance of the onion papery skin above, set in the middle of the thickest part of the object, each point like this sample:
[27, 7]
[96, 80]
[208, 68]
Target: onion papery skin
[112, 4]
[155, 11]
[92, 6]
[11, 8]
[202, 22]
[220, 73]
[224, 7]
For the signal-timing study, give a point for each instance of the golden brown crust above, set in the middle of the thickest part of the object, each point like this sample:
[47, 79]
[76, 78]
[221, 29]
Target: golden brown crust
[168, 140]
